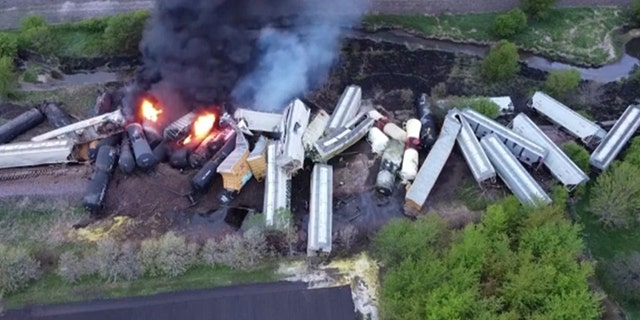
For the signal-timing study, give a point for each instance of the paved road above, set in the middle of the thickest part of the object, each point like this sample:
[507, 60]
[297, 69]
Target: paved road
[11, 11]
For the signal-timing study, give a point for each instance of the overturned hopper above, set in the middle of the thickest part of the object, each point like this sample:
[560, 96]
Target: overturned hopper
[347, 107]
[514, 175]
[320, 210]
[25, 154]
[558, 113]
[524, 149]
[425, 180]
[294, 123]
[234, 169]
[258, 120]
[339, 140]
[617, 137]
[180, 128]
[473, 154]
[558, 163]
[277, 192]
[88, 130]
[315, 129]
[258, 158]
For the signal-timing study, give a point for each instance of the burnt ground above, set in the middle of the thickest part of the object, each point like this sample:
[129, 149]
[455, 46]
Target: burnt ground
[391, 76]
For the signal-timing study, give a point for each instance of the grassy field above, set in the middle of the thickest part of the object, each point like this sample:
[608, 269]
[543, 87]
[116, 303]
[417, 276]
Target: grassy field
[76, 99]
[581, 35]
[52, 289]
[604, 244]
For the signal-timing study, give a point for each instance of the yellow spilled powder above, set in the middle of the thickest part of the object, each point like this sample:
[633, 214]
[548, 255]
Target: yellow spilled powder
[360, 272]
[100, 230]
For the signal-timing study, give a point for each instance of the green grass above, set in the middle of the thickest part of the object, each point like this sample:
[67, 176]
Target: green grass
[604, 244]
[581, 35]
[76, 99]
[77, 43]
[52, 289]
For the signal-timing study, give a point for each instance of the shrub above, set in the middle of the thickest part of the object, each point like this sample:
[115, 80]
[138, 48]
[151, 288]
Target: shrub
[124, 32]
[502, 61]
[17, 268]
[32, 22]
[509, 24]
[236, 251]
[8, 45]
[634, 11]
[537, 9]
[578, 154]
[73, 266]
[7, 77]
[561, 82]
[117, 262]
[39, 39]
[622, 276]
[616, 195]
[170, 255]
[484, 106]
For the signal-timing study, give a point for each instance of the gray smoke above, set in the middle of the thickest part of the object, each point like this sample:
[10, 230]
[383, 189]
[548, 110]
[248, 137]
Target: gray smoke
[295, 59]
[265, 52]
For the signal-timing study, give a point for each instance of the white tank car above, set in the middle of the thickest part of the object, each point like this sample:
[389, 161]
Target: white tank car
[413, 127]
[410, 159]
[378, 140]
[394, 131]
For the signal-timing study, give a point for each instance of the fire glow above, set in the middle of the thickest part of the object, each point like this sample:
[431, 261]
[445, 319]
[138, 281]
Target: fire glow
[149, 111]
[201, 127]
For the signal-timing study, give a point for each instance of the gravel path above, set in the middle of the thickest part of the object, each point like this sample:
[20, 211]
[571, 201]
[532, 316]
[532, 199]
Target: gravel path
[12, 11]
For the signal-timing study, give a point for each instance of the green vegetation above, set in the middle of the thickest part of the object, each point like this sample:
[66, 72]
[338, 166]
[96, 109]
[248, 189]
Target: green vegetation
[518, 263]
[561, 82]
[509, 23]
[75, 99]
[8, 45]
[502, 61]
[53, 289]
[634, 11]
[579, 35]
[578, 154]
[616, 196]
[105, 36]
[7, 77]
[538, 9]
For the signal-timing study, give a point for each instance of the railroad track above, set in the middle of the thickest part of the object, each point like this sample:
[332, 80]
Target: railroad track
[32, 173]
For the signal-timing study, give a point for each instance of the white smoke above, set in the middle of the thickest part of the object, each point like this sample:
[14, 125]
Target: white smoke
[294, 60]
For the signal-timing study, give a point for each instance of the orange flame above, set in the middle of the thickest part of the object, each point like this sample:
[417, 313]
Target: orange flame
[149, 111]
[201, 127]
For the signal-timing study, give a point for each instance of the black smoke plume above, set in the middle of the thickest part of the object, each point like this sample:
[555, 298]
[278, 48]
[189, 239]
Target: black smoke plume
[256, 53]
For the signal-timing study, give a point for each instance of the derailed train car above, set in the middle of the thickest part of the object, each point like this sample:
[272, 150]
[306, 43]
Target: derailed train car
[617, 138]
[320, 211]
[26, 154]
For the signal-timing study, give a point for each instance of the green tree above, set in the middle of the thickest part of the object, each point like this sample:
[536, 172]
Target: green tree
[561, 82]
[509, 23]
[124, 32]
[502, 61]
[32, 22]
[8, 45]
[632, 155]
[7, 77]
[616, 195]
[537, 9]
[40, 39]
[634, 11]
[622, 277]
[578, 154]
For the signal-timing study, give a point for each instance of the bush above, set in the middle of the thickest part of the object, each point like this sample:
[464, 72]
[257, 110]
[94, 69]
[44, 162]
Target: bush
[8, 45]
[39, 39]
[484, 106]
[509, 24]
[632, 155]
[502, 61]
[622, 276]
[616, 195]
[537, 9]
[236, 251]
[170, 255]
[578, 154]
[117, 262]
[72, 267]
[32, 22]
[124, 32]
[17, 268]
[634, 11]
[561, 82]
[7, 77]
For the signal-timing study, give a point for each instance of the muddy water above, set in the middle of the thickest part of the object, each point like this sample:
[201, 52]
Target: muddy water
[607, 73]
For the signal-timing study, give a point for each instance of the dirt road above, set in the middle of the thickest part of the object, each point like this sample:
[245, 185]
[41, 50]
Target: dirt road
[12, 11]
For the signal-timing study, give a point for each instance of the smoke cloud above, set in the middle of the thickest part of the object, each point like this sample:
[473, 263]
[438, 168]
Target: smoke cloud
[257, 53]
